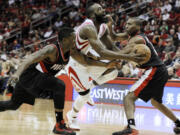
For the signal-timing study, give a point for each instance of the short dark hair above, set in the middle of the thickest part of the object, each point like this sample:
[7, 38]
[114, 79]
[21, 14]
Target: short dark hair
[89, 10]
[64, 32]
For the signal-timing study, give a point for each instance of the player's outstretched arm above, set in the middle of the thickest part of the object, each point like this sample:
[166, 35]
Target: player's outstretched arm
[90, 33]
[115, 36]
[107, 40]
[48, 51]
[85, 60]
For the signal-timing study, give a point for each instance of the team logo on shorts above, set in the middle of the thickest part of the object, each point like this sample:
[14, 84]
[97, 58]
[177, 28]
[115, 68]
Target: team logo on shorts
[57, 67]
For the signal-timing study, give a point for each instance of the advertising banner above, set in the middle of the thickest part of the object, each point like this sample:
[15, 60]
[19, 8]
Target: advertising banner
[114, 94]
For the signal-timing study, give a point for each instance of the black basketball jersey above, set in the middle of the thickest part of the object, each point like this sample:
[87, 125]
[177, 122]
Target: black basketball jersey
[154, 60]
[53, 68]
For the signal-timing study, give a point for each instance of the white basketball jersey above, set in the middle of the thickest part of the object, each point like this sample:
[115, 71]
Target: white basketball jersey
[82, 44]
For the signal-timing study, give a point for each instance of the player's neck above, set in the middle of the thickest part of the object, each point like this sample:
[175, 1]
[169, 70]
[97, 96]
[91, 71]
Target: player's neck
[97, 25]
[134, 34]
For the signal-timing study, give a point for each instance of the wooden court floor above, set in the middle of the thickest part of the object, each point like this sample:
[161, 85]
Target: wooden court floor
[98, 120]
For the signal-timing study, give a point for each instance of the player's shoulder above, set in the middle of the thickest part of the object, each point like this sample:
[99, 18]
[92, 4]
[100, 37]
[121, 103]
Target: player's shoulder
[85, 24]
[87, 30]
[139, 39]
[50, 48]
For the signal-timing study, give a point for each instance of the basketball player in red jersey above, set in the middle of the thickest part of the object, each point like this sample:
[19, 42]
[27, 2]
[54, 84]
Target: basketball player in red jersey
[36, 74]
[93, 40]
[151, 84]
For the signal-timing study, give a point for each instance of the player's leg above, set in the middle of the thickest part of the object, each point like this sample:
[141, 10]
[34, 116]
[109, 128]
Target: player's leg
[80, 80]
[19, 97]
[166, 111]
[57, 86]
[79, 102]
[107, 75]
[141, 89]
[156, 101]
[129, 106]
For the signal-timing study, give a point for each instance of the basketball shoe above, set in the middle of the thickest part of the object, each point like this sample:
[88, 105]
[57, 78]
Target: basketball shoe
[177, 130]
[72, 121]
[127, 131]
[60, 128]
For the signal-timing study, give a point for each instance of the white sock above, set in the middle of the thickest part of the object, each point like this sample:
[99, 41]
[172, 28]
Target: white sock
[79, 103]
[132, 126]
[74, 114]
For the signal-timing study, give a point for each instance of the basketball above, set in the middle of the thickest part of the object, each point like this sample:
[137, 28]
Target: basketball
[144, 50]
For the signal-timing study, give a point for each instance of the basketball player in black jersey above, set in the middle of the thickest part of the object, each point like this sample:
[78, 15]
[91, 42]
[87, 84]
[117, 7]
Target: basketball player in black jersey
[151, 84]
[36, 74]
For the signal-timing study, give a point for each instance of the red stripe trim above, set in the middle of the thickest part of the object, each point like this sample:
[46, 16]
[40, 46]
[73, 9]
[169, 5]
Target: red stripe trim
[86, 23]
[84, 46]
[62, 54]
[145, 82]
[72, 79]
[142, 38]
[80, 43]
[43, 67]
[77, 37]
[49, 62]
[74, 73]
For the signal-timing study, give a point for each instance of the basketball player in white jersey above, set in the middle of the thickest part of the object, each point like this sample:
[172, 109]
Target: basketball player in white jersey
[93, 34]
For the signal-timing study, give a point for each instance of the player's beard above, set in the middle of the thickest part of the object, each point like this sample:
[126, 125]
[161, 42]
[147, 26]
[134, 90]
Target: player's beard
[132, 33]
[101, 19]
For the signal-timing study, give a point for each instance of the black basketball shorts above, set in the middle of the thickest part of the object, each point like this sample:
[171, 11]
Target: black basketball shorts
[151, 84]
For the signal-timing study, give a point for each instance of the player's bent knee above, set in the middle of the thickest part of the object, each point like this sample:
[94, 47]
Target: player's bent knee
[126, 98]
[130, 97]
[154, 102]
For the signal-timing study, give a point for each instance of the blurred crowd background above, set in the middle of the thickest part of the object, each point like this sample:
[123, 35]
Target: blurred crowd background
[28, 25]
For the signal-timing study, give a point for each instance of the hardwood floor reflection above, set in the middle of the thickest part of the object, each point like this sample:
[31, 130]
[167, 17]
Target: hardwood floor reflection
[98, 120]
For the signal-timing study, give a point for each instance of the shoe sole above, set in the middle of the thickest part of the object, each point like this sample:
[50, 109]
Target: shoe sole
[177, 130]
[127, 134]
[62, 133]
[73, 129]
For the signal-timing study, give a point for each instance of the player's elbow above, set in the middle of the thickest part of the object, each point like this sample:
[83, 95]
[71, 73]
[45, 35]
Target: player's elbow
[103, 54]
[113, 37]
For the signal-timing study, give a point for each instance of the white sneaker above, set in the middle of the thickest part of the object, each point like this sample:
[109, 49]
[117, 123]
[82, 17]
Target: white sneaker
[90, 101]
[72, 122]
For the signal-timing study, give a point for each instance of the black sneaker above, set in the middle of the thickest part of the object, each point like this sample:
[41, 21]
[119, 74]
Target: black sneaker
[127, 131]
[60, 128]
[9, 105]
[177, 130]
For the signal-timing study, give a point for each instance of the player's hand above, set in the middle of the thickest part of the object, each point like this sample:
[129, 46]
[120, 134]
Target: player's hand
[177, 65]
[112, 64]
[13, 80]
[170, 71]
[138, 58]
[90, 55]
[110, 21]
